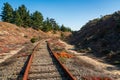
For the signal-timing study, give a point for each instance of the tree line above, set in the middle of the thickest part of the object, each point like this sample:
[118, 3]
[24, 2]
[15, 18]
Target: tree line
[23, 18]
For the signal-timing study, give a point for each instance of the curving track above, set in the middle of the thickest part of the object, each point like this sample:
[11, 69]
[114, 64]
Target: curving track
[44, 66]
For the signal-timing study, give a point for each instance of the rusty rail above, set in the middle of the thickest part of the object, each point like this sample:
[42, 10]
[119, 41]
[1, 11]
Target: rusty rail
[25, 77]
[63, 66]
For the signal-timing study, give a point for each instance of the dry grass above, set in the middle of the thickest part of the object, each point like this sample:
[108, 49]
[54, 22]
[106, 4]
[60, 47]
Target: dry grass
[88, 66]
[82, 63]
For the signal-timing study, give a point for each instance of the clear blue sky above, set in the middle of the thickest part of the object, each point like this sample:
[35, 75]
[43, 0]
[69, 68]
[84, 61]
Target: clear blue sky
[71, 13]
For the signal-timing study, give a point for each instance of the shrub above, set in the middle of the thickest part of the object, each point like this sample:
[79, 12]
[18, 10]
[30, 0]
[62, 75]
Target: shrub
[54, 32]
[62, 36]
[116, 62]
[62, 59]
[105, 52]
[25, 36]
[33, 40]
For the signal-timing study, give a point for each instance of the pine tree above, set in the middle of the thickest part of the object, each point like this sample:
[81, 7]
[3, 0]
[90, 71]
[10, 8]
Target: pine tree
[27, 21]
[7, 13]
[37, 20]
[54, 24]
[17, 18]
[47, 26]
[22, 17]
[63, 28]
[24, 14]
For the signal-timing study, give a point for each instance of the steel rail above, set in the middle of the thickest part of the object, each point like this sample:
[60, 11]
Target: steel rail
[62, 65]
[25, 77]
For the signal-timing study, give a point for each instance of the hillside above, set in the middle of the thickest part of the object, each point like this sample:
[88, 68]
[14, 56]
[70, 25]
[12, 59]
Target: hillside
[12, 35]
[100, 37]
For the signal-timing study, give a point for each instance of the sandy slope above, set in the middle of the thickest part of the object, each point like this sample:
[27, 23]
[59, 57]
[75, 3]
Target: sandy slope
[11, 36]
[107, 68]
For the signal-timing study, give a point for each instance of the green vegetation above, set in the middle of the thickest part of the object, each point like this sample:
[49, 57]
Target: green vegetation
[33, 40]
[50, 24]
[25, 36]
[7, 13]
[62, 59]
[17, 19]
[64, 29]
[62, 36]
[116, 62]
[37, 20]
[84, 50]
[22, 17]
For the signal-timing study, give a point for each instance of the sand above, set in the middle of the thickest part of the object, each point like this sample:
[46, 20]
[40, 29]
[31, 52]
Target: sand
[96, 63]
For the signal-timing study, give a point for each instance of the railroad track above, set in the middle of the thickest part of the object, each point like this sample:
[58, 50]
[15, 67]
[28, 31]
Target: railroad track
[44, 66]
[41, 64]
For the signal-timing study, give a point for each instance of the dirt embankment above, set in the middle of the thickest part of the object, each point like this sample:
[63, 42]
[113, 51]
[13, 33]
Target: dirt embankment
[13, 37]
[12, 34]
[93, 64]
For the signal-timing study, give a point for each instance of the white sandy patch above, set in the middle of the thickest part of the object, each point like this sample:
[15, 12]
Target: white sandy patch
[5, 56]
[99, 65]
[67, 46]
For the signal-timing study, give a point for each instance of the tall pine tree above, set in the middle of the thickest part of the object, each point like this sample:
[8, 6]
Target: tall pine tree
[47, 26]
[17, 18]
[63, 28]
[37, 20]
[22, 17]
[25, 16]
[7, 13]
[27, 20]
[54, 24]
